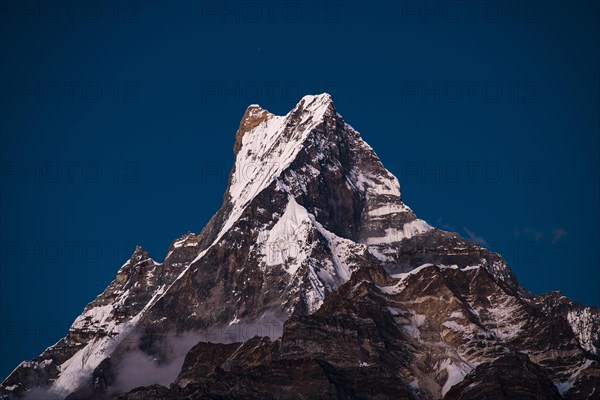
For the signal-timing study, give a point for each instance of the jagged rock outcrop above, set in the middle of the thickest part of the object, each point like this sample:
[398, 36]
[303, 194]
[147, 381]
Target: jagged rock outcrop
[512, 376]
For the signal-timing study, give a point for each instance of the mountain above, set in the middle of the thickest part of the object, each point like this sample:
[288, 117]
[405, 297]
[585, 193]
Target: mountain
[315, 280]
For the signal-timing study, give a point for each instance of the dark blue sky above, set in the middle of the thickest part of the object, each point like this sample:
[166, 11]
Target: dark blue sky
[117, 123]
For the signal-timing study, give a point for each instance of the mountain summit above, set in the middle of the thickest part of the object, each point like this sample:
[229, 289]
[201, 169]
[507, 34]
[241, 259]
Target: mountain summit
[315, 280]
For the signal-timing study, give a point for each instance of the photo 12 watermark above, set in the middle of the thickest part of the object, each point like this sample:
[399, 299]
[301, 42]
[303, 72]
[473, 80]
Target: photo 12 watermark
[234, 92]
[69, 92]
[70, 12]
[69, 172]
[469, 92]
[20, 253]
[269, 12]
[470, 172]
[39, 332]
[469, 12]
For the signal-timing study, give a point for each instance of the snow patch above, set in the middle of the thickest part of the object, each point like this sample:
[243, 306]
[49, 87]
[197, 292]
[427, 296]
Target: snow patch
[401, 284]
[585, 325]
[287, 242]
[393, 235]
[456, 373]
[388, 209]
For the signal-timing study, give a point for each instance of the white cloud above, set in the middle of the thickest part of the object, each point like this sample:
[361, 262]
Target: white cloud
[473, 237]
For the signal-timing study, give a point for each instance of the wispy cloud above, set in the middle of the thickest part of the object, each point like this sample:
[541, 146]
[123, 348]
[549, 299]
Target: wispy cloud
[473, 237]
[529, 232]
[445, 225]
[558, 234]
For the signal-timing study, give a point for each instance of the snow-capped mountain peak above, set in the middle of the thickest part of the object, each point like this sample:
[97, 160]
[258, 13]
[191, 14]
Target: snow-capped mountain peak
[313, 236]
[266, 144]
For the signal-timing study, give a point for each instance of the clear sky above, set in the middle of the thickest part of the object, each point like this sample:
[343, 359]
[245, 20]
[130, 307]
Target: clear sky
[117, 123]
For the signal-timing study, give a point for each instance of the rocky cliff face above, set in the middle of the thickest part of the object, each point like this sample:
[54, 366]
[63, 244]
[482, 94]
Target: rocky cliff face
[435, 332]
[315, 280]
